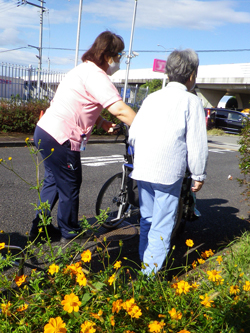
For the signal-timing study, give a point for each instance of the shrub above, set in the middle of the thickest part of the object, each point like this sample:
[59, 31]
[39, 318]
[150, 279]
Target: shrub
[245, 159]
[20, 116]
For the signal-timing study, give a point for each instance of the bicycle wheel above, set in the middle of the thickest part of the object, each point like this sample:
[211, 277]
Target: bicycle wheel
[180, 223]
[111, 196]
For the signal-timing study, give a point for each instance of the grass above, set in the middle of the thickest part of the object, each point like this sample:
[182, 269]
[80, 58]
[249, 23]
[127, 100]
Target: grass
[219, 132]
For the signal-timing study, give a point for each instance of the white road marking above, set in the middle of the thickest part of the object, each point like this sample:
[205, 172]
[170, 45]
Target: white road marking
[97, 161]
[220, 151]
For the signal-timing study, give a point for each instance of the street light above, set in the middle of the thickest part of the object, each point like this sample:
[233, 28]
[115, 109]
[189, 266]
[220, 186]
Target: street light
[165, 76]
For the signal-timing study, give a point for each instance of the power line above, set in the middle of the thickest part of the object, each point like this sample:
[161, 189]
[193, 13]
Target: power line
[155, 51]
[18, 48]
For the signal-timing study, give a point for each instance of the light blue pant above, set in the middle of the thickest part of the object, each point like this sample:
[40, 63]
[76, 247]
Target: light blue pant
[158, 207]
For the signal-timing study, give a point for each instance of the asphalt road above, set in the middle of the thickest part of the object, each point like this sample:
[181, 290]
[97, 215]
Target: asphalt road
[224, 213]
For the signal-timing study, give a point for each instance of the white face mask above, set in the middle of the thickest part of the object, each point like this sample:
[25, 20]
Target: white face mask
[113, 67]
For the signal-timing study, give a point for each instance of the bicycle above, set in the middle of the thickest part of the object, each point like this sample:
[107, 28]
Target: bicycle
[119, 194]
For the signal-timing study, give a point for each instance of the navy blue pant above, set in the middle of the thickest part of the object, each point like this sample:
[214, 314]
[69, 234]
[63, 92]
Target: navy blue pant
[62, 180]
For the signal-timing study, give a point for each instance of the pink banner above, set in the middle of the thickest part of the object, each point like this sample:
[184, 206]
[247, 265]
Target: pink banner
[159, 65]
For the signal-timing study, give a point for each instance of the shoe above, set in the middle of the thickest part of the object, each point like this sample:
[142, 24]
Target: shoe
[52, 231]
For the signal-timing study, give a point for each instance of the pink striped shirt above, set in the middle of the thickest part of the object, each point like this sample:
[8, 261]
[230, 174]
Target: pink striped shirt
[79, 100]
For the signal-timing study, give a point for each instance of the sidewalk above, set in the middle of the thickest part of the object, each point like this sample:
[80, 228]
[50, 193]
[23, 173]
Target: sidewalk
[18, 140]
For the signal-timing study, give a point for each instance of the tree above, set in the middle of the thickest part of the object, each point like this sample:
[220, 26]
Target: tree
[153, 85]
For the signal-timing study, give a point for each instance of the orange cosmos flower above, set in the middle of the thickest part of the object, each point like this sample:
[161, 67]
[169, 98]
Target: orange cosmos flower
[55, 325]
[189, 243]
[246, 286]
[53, 269]
[174, 314]
[20, 280]
[6, 308]
[81, 279]
[234, 290]
[156, 326]
[86, 256]
[71, 303]
[116, 306]
[206, 301]
[87, 327]
[22, 308]
[117, 265]
[214, 275]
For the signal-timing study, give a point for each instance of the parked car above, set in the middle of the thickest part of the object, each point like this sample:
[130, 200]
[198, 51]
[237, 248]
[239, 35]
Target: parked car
[230, 121]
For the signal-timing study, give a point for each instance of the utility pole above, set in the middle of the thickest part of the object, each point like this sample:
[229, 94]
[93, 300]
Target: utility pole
[40, 48]
[78, 32]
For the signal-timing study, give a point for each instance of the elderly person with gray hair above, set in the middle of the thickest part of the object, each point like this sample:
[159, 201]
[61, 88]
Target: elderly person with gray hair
[168, 135]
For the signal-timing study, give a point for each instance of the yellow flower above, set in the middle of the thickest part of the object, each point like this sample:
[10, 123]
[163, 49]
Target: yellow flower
[71, 303]
[174, 314]
[161, 316]
[10, 158]
[246, 286]
[194, 264]
[22, 308]
[207, 254]
[194, 285]
[117, 265]
[219, 259]
[73, 269]
[189, 243]
[20, 280]
[111, 279]
[182, 287]
[81, 279]
[183, 331]
[214, 275]
[55, 325]
[53, 269]
[1, 160]
[86, 256]
[87, 327]
[206, 301]
[234, 290]
[156, 326]
[116, 306]
[132, 309]
[26, 140]
[6, 308]
[52, 149]
[200, 261]
[97, 315]
[112, 320]
[2, 246]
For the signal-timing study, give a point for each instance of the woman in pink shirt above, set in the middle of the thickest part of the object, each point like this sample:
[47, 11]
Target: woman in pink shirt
[68, 122]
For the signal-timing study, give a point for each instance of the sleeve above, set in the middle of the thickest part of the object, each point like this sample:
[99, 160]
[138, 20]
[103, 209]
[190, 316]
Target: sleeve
[101, 88]
[196, 139]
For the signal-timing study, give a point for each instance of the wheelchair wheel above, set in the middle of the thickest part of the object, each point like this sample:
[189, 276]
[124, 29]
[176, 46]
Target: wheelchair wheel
[111, 196]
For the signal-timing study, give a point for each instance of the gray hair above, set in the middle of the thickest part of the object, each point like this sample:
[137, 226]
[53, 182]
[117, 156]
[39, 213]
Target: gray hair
[181, 64]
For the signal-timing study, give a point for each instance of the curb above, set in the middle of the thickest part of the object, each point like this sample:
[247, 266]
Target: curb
[14, 144]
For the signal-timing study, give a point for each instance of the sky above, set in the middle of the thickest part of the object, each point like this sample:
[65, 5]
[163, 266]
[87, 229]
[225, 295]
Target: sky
[217, 30]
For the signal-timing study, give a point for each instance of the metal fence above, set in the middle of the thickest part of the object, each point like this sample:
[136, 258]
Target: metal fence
[24, 82]
[28, 83]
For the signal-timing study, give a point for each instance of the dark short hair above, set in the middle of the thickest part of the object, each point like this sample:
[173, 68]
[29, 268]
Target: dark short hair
[181, 64]
[107, 43]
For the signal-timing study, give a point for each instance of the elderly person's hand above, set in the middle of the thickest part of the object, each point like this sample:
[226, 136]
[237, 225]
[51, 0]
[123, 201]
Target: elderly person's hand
[197, 186]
